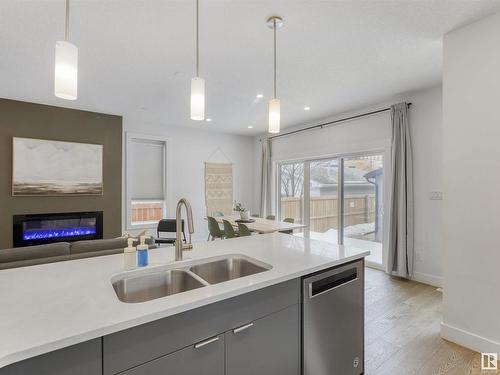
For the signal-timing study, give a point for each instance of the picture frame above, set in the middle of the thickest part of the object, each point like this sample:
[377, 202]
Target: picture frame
[43, 167]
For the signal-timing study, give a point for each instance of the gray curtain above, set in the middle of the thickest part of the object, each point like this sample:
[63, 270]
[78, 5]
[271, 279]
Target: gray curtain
[266, 179]
[400, 260]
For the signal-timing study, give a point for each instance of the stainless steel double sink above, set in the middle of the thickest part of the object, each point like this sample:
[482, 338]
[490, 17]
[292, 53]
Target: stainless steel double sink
[145, 286]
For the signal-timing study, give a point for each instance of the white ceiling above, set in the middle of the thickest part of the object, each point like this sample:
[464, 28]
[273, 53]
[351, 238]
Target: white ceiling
[136, 58]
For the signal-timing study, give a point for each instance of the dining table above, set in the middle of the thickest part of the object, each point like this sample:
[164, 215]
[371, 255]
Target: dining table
[260, 225]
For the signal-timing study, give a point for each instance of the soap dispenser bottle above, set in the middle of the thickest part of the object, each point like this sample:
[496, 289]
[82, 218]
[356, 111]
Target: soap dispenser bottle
[129, 255]
[142, 253]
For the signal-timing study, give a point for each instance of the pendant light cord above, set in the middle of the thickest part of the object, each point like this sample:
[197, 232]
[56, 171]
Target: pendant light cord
[66, 29]
[274, 31]
[197, 39]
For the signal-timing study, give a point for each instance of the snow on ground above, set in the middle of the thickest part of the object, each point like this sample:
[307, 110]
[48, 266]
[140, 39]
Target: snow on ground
[359, 229]
[330, 236]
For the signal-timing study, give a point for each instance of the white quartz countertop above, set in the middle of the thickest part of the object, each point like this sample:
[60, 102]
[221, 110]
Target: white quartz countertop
[52, 306]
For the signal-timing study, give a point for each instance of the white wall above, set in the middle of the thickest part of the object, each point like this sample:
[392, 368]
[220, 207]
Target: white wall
[373, 133]
[471, 133]
[189, 148]
[426, 130]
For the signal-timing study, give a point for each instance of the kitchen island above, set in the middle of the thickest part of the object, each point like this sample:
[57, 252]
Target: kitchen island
[66, 318]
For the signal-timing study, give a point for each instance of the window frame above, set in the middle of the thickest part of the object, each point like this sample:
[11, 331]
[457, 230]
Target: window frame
[129, 138]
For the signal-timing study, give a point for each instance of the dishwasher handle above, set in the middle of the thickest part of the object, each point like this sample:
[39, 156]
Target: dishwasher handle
[329, 283]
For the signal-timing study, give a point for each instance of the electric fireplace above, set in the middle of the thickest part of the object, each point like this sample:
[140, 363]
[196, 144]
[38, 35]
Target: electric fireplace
[40, 229]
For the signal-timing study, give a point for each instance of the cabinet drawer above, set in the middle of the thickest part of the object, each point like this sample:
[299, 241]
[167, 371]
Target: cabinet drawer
[207, 358]
[266, 346]
[126, 349]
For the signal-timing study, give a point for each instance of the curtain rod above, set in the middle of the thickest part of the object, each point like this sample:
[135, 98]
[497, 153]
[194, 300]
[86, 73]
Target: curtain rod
[326, 124]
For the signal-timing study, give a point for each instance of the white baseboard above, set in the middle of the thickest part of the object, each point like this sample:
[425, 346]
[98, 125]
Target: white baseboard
[374, 265]
[425, 278]
[469, 339]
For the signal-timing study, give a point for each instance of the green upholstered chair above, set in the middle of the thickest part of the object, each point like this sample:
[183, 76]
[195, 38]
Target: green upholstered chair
[270, 217]
[214, 229]
[243, 230]
[288, 220]
[255, 215]
[219, 214]
[229, 230]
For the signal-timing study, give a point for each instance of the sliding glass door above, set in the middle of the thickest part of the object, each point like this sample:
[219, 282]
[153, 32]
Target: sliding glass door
[363, 202]
[324, 211]
[340, 199]
[291, 190]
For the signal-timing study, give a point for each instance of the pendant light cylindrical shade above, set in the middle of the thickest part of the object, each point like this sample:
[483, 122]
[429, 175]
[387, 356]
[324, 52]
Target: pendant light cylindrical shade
[66, 71]
[197, 99]
[197, 83]
[66, 65]
[274, 116]
[274, 104]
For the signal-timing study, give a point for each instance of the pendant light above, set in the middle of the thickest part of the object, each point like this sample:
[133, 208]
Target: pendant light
[274, 104]
[66, 66]
[197, 83]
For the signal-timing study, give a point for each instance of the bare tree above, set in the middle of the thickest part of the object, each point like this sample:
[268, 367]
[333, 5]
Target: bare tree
[292, 180]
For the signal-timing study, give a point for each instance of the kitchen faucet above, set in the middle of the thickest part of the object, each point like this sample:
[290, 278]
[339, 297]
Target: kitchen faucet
[179, 246]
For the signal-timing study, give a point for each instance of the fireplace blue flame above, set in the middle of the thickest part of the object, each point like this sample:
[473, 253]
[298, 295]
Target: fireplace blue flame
[39, 229]
[36, 234]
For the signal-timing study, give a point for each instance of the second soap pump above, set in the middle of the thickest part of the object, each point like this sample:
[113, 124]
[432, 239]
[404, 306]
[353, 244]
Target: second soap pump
[142, 253]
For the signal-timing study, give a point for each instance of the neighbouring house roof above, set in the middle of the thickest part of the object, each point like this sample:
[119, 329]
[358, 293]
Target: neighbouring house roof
[374, 173]
[328, 176]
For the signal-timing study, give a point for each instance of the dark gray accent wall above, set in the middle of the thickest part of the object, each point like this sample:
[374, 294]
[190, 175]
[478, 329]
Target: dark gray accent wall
[29, 120]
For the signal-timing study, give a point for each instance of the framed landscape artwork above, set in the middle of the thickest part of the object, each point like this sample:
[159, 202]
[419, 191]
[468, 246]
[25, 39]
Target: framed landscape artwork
[45, 167]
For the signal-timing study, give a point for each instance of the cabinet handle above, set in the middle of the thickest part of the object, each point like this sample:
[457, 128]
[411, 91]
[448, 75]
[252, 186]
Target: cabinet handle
[242, 328]
[206, 342]
[332, 282]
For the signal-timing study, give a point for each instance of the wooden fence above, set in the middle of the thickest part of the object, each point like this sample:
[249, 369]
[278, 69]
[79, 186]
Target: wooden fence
[146, 212]
[325, 211]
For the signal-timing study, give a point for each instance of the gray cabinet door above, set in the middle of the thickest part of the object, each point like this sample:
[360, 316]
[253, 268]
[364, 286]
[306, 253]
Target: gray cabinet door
[205, 357]
[80, 359]
[266, 346]
[135, 346]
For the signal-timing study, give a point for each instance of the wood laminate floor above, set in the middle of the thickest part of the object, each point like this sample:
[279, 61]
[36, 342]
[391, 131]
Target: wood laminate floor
[402, 331]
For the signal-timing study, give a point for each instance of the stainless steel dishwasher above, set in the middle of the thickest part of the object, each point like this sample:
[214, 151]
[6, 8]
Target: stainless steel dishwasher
[333, 321]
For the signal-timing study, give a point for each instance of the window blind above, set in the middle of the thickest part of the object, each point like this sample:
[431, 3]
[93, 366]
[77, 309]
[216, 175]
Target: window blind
[147, 169]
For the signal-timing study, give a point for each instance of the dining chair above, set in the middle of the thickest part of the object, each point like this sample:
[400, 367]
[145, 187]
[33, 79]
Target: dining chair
[168, 226]
[288, 220]
[270, 217]
[229, 230]
[243, 230]
[218, 214]
[214, 229]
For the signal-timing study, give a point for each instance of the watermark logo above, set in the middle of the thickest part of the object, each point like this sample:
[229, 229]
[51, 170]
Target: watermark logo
[355, 363]
[489, 361]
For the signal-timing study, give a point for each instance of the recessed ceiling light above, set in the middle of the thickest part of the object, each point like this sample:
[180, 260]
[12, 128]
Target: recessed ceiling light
[208, 120]
[307, 108]
[259, 96]
[250, 126]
